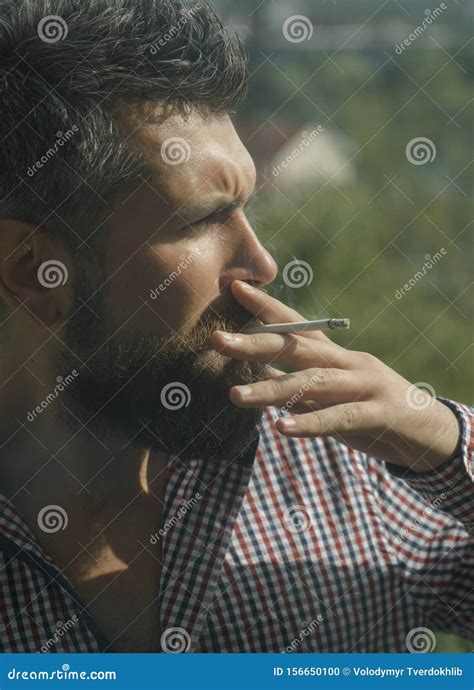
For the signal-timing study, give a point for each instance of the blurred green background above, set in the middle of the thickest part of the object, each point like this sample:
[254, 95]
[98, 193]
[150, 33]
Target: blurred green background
[351, 203]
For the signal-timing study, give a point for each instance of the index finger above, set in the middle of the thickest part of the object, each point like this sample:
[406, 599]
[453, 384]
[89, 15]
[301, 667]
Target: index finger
[270, 310]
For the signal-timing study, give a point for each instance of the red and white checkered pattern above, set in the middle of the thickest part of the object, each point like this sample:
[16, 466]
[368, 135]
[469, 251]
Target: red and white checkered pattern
[302, 545]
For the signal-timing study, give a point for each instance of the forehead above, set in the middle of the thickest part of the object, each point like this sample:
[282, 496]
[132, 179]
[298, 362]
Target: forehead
[191, 155]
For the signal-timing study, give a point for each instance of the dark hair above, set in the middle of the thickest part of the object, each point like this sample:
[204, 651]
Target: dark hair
[67, 67]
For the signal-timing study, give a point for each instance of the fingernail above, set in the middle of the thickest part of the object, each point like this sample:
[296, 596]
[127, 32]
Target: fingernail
[228, 337]
[288, 423]
[246, 286]
[245, 391]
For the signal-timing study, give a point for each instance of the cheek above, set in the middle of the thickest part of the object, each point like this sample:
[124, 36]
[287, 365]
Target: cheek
[166, 286]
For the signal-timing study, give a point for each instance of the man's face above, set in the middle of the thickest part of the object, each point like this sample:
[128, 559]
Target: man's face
[173, 248]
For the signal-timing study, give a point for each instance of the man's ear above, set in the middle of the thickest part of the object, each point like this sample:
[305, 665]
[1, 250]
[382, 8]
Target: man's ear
[34, 272]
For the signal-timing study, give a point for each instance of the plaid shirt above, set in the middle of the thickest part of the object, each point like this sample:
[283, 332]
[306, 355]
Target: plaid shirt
[302, 545]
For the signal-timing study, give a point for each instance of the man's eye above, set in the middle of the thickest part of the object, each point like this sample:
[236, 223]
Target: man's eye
[209, 220]
[213, 219]
[196, 225]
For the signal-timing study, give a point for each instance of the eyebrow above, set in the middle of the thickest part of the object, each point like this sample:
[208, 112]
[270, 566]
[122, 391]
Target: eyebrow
[204, 210]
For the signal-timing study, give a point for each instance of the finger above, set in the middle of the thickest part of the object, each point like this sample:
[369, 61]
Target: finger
[287, 350]
[323, 384]
[355, 418]
[273, 372]
[268, 309]
[300, 408]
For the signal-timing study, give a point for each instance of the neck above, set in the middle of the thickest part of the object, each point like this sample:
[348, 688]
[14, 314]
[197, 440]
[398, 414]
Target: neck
[45, 464]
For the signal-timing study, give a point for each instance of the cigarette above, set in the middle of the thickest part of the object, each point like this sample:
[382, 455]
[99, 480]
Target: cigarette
[318, 325]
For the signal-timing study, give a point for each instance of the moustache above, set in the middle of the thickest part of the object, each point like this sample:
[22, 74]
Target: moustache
[233, 319]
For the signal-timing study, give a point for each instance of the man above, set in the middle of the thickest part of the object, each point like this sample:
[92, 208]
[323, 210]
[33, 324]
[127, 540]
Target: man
[147, 504]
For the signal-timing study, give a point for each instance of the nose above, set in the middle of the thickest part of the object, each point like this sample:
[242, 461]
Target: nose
[250, 261]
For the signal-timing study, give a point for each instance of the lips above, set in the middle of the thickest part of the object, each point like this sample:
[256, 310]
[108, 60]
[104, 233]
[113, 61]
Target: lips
[251, 322]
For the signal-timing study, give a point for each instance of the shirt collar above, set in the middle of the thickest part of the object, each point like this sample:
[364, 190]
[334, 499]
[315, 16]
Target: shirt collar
[13, 528]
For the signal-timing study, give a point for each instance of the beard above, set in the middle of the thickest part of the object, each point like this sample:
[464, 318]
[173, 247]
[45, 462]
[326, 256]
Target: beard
[169, 394]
